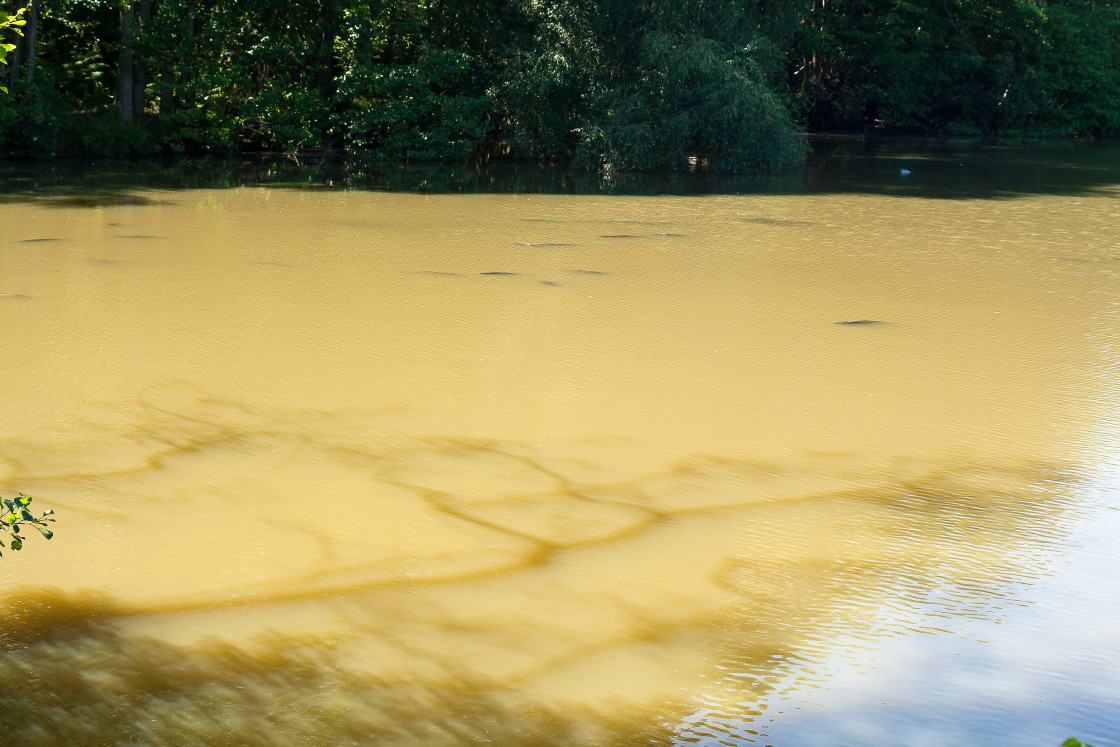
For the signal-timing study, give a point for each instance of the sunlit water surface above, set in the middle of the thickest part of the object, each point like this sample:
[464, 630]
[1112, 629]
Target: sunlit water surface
[352, 466]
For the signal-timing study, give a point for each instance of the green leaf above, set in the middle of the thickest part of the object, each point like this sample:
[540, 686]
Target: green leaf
[24, 500]
[17, 543]
[26, 515]
[48, 512]
[45, 532]
[11, 519]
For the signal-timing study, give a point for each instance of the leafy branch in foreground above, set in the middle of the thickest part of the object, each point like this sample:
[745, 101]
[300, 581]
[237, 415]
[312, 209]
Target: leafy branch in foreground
[10, 22]
[16, 514]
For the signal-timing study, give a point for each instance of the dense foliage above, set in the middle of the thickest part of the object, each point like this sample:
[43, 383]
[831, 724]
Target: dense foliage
[610, 83]
[969, 67]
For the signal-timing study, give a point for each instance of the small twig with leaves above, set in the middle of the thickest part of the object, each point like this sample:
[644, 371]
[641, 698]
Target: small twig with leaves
[13, 23]
[15, 514]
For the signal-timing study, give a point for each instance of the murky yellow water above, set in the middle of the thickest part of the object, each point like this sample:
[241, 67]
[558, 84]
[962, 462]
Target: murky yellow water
[417, 469]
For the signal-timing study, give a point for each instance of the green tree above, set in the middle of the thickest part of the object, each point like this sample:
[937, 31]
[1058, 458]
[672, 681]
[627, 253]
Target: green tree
[691, 102]
[962, 66]
[408, 86]
[685, 83]
[1081, 70]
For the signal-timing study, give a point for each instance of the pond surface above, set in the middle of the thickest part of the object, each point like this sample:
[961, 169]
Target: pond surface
[571, 464]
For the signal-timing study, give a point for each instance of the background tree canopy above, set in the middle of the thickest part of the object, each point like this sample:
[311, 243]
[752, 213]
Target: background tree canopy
[610, 83]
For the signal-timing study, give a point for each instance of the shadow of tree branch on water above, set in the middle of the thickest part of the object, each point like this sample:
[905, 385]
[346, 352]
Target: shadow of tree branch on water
[69, 676]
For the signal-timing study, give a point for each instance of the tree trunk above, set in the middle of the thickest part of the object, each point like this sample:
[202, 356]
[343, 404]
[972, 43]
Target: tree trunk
[166, 91]
[183, 81]
[324, 64]
[170, 11]
[124, 64]
[13, 64]
[29, 39]
[139, 64]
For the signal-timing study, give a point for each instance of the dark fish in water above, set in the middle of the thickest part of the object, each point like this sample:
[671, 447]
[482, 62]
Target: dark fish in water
[526, 243]
[37, 241]
[777, 221]
[552, 283]
[498, 273]
[13, 295]
[589, 272]
[861, 321]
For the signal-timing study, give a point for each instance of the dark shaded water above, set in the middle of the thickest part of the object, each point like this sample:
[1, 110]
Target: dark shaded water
[940, 169]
